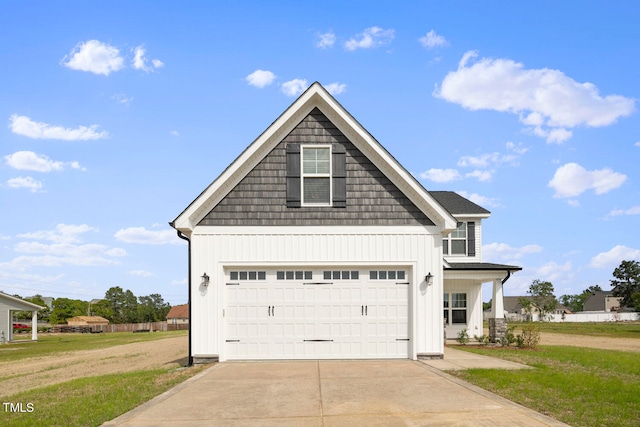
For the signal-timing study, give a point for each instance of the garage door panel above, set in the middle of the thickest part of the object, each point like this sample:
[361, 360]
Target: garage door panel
[288, 319]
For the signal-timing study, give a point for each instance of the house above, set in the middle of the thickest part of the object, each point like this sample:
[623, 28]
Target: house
[9, 304]
[178, 314]
[602, 301]
[315, 243]
[87, 321]
[515, 311]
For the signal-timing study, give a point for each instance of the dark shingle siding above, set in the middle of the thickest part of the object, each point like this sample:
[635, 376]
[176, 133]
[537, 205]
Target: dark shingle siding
[260, 198]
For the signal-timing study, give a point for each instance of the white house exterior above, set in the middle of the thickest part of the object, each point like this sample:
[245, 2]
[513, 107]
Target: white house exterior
[316, 243]
[10, 304]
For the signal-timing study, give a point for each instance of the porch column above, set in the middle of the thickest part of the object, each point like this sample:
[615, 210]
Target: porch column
[34, 326]
[497, 322]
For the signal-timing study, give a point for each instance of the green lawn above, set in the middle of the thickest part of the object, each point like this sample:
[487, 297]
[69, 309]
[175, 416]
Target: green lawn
[49, 344]
[579, 386]
[600, 329]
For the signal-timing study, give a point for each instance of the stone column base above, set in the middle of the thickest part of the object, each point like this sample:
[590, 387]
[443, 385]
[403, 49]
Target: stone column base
[497, 329]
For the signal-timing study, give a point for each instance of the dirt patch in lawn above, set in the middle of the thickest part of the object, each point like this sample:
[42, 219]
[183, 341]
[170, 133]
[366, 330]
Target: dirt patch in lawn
[25, 374]
[607, 343]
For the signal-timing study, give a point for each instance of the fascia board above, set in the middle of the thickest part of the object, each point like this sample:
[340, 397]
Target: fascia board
[245, 162]
[472, 216]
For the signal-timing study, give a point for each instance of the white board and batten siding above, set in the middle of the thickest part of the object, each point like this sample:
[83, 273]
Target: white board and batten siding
[327, 316]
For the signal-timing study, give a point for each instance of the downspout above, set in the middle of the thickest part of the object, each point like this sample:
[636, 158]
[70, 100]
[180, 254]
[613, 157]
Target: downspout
[506, 278]
[183, 237]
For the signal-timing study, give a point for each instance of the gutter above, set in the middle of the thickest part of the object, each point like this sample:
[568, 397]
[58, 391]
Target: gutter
[503, 282]
[183, 237]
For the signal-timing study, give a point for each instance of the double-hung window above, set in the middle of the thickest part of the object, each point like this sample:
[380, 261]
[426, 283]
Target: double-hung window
[455, 308]
[316, 175]
[456, 242]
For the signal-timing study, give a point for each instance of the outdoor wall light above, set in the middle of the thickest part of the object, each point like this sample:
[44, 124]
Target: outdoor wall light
[429, 279]
[205, 279]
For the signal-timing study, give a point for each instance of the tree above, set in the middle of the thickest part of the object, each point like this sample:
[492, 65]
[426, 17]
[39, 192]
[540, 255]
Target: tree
[576, 302]
[541, 300]
[43, 313]
[152, 308]
[123, 305]
[627, 281]
[65, 308]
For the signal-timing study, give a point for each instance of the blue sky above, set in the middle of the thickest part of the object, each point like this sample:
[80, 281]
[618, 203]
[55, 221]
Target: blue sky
[118, 114]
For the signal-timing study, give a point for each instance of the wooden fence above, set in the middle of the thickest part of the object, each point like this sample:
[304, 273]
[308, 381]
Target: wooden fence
[123, 327]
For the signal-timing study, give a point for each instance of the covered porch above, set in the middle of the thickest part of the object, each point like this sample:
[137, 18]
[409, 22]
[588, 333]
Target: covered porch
[462, 299]
[10, 304]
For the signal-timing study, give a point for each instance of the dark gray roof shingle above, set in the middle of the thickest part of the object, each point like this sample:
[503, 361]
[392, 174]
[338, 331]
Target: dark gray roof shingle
[456, 204]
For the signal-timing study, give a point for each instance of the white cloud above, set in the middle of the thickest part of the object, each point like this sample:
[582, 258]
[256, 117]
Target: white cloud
[370, 38]
[62, 233]
[174, 133]
[431, 40]
[635, 210]
[294, 87]
[505, 252]
[23, 125]
[28, 160]
[554, 272]
[95, 57]
[440, 175]
[482, 176]
[571, 180]
[637, 144]
[143, 236]
[66, 249]
[139, 61]
[260, 78]
[540, 97]
[486, 202]
[614, 257]
[180, 282]
[25, 182]
[336, 88]
[326, 40]
[141, 273]
[122, 98]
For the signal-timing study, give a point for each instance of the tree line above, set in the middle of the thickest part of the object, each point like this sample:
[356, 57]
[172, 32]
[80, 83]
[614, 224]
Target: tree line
[117, 306]
[626, 284]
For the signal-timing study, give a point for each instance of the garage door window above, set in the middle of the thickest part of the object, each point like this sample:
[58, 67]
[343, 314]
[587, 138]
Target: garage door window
[248, 275]
[387, 275]
[294, 275]
[341, 275]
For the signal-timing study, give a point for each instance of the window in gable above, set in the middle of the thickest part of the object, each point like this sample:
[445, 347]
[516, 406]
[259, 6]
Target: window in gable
[456, 243]
[316, 175]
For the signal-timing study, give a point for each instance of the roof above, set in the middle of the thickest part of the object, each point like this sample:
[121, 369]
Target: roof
[179, 312]
[316, 96]
[19, 303]
[596, 301]
[458, 205]
[480, 266]
[512, 304]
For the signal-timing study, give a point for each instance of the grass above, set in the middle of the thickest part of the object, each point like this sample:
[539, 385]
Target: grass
[92, 401]
[598, 329]
[579, 386]
[51, 344]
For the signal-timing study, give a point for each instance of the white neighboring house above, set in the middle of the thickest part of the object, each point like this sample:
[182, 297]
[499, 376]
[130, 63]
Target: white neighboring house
[315, 243]
[9, 304]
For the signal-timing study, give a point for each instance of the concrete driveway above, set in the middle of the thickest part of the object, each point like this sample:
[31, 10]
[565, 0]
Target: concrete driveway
[329, 393]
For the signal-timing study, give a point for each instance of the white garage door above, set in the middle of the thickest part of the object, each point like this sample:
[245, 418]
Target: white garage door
[316, 314]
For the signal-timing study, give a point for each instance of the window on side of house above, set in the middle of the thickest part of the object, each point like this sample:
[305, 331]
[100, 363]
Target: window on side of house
[456, 242]
[316, 175]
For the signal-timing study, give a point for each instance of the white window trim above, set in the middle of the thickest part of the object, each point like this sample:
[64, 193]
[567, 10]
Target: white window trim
[327, 175]
[450, 309]
[450, 239]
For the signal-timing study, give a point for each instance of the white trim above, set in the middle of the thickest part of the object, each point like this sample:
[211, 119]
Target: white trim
[314, 96]
[325, 175]
[331, 229]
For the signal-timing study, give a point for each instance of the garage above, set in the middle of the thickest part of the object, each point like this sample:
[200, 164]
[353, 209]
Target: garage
[316, 313]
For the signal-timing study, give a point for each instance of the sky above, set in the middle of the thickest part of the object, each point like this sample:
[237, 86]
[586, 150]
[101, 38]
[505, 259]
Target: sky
[117, 114]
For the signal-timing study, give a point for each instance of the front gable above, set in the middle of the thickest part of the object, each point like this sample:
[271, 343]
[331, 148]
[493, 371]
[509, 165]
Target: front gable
[374, 172]
[260, 197]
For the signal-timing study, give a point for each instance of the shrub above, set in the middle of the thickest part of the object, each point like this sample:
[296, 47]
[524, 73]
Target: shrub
[530, 336]
[482, 339]
[463, 337]
[509, 337]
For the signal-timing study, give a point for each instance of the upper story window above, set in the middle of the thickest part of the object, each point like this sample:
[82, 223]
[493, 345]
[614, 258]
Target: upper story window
[460, 241]
[316, 175]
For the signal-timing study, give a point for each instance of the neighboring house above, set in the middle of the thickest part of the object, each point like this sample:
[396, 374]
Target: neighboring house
[87, 321]
[9, 304]
[315, 243]
[602, 301]
[178, 314]
[516, 312]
